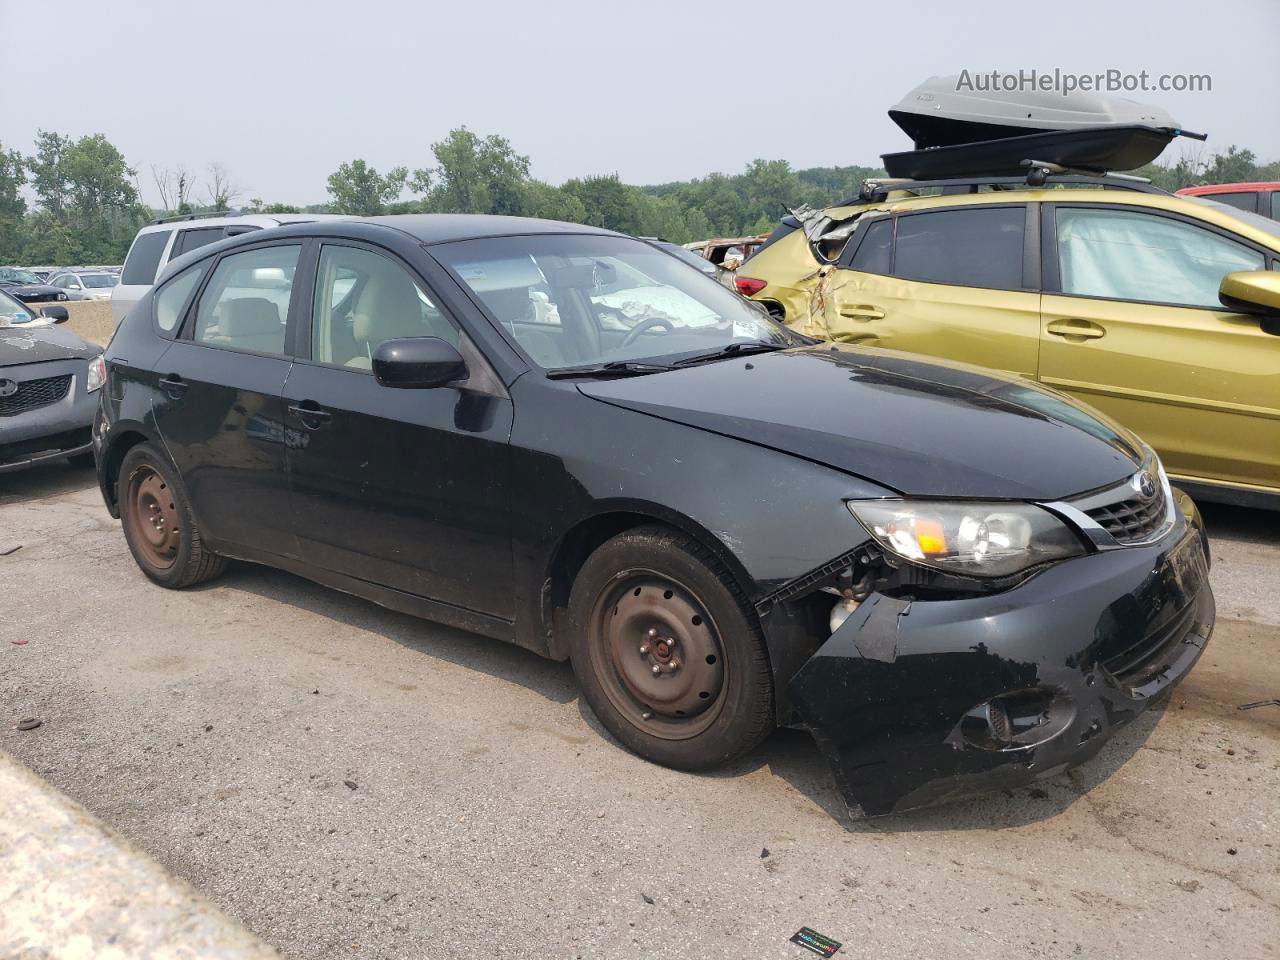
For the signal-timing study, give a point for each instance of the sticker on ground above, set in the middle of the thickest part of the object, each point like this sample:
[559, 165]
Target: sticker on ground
[813, 940]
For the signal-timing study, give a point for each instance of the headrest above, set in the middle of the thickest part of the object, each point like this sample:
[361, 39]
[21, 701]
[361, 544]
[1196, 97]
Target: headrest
[249, 316]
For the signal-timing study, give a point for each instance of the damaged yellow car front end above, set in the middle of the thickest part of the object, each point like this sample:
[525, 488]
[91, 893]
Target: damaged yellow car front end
[1106, 294]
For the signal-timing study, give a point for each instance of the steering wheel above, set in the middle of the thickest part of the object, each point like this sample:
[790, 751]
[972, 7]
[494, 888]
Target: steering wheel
[644, 325]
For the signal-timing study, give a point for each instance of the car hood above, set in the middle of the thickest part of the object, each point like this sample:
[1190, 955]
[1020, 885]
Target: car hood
[22, 344]
[919, 427]
[29, 289]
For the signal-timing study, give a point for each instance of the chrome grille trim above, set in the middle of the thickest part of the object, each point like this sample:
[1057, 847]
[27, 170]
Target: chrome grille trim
[1118, 517]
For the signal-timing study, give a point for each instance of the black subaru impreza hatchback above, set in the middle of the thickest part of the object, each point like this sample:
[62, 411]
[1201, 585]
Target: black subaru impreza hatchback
[567, 438]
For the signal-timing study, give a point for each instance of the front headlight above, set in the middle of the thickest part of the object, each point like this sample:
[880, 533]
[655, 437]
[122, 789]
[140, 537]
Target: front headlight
[97, 375]
[969, 538]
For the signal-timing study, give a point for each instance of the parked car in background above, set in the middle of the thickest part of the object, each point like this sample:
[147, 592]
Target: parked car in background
[164, 240]
[1262, 198]
[41, 273]
[1161, 311]
[49, 379]
[727, 252]
[85, 284]
[28, 287]
[695, 260]
[958, 581]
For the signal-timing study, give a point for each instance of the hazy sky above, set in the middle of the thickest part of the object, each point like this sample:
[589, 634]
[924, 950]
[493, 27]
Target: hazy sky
[282, 92]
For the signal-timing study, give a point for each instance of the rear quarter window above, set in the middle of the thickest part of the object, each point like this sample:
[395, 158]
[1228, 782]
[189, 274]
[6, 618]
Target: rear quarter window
[144, 258]
[193, 239]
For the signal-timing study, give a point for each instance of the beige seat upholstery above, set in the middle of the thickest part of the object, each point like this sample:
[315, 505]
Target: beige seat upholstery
[250, 323]
[388, 309]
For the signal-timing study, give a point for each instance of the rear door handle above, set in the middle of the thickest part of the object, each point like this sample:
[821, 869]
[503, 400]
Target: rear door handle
[1076, 329]
[173, 385]
[309, 412]
[862, 312]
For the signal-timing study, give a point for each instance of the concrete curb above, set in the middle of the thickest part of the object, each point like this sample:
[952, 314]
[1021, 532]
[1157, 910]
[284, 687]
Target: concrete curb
[72, 889]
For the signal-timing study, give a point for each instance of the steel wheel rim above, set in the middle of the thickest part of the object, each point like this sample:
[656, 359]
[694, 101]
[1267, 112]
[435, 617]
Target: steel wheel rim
[154, 517]
[658, 655]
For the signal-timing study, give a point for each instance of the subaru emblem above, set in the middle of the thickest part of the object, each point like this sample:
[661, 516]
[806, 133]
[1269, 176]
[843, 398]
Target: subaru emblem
[8, 388]
[1144, 485]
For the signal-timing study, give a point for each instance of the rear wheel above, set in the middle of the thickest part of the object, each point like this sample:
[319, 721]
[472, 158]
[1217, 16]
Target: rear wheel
[158, 526]
[668, 652]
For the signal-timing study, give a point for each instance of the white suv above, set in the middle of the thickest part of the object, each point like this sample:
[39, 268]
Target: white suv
[158, 243]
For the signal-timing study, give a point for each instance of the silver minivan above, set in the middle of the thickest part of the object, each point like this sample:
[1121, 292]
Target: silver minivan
[164, 240]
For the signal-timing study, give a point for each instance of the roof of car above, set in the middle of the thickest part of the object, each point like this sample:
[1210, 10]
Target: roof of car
[1230, 188]
[445, 227]
[1256, 228]
[195, 222]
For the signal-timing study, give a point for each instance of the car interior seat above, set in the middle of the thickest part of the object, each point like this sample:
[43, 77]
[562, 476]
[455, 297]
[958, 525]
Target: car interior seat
[252, 323]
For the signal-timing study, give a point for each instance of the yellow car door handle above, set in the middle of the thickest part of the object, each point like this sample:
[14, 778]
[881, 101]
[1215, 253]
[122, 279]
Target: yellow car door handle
[1076, 329]
[862, 312]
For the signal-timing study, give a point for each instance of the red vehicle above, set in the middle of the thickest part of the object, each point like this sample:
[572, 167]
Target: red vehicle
[1263, 198]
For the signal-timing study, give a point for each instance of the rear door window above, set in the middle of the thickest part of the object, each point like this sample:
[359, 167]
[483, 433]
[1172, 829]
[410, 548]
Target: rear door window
[1275, 205]
[246, 303]
[973, 248]
[144, 258]
[188, 240]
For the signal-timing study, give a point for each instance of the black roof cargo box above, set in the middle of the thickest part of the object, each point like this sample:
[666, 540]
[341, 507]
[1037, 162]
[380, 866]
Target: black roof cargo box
[961, 132]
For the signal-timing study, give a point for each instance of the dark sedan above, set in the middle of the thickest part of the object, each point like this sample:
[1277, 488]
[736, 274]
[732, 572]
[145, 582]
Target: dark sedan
[48, 383]
[28, 287]
[955, 580]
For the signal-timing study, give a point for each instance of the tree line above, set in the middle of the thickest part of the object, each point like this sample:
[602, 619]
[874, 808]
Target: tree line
[87, 199]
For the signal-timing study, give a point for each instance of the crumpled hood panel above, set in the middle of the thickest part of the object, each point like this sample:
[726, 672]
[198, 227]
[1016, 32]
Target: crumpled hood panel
[35, 344]
[921, 427]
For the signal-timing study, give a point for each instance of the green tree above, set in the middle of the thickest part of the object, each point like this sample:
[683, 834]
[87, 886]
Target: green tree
[474, 175]
[359, 189]
[48, 171]
[13, 207]
[89, 205]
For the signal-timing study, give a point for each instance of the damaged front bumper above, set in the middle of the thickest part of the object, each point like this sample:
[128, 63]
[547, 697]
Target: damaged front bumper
[920, 702]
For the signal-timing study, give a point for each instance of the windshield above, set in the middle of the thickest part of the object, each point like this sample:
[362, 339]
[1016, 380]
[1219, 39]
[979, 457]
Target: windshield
[13, 311]
[1248, 216]
[98, 280]
[581, 300]
[11, 275]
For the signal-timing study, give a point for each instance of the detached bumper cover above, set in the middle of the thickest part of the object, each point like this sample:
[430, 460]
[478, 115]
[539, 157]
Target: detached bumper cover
[916, 703]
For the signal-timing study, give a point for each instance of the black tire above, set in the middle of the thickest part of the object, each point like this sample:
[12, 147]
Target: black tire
[81, 460]
[158, 525]
[642, 601]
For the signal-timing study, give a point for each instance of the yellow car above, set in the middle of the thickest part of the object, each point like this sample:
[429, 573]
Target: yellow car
[1162, 311]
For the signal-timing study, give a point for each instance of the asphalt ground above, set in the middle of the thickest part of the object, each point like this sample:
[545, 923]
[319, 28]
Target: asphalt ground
[352, 782]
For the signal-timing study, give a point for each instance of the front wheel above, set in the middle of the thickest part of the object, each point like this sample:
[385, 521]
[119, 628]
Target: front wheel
[668, 652]
[158, 525]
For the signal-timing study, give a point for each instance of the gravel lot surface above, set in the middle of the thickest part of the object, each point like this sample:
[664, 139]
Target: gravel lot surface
[351, 782]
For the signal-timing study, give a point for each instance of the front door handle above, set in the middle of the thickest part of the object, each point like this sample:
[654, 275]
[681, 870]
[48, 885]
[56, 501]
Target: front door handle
[862, 311]
[309, 412]
[174, 386]
[1076, 330]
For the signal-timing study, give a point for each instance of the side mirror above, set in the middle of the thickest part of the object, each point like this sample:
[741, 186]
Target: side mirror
[1255, 292]
[55, 313]
[418, 363]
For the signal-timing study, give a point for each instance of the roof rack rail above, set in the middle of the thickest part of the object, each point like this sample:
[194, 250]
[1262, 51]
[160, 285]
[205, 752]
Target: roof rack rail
[1039, 173]
[195, 216]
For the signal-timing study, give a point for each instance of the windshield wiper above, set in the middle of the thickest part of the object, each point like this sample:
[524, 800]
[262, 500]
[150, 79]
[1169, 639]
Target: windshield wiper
[613, 367]
[733, 350]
